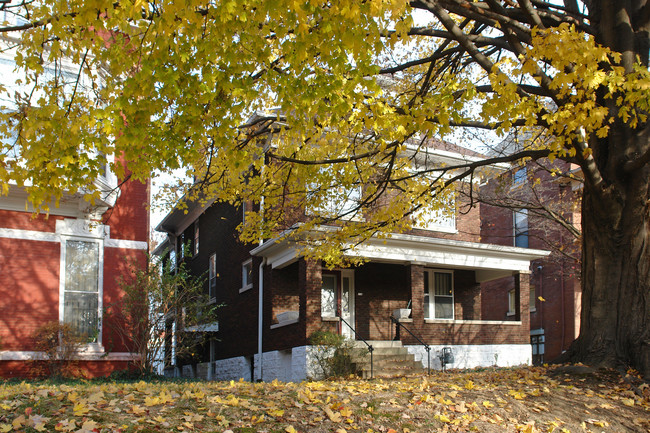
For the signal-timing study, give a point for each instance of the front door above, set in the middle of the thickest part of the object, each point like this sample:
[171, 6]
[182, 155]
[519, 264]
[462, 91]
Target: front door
[337, 299]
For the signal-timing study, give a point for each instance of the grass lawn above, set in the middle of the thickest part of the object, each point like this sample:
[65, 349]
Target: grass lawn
[560, 399]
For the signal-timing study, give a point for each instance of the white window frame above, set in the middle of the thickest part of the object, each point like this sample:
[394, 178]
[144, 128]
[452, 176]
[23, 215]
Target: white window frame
[429, 292]
[437, 220]
[100, 283]
[246, 285]
[519, 231]
[212, 276]
[326, 312]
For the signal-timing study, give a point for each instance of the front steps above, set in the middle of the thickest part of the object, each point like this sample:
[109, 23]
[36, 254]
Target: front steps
[390, 359]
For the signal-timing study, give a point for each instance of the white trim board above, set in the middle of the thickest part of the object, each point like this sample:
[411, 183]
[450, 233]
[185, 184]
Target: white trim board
[34, 235]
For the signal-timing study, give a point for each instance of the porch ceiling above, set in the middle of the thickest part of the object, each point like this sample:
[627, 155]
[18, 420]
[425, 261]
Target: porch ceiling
[488, 260]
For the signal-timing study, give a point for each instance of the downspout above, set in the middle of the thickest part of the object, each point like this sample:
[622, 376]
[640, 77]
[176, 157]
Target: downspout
[260, 306]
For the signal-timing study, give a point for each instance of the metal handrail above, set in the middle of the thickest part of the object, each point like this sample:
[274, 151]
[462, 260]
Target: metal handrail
[426, 346]
[370, 348]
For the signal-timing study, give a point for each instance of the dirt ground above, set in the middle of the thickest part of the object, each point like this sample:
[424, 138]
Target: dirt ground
[535, 399]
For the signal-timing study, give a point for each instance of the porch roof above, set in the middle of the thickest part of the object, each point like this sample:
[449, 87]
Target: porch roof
[488, 260]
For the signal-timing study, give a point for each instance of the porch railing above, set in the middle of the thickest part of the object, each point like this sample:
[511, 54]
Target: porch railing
[358, 337]
[426, 346]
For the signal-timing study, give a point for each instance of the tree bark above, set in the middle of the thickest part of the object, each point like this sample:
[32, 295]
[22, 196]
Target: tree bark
[615, 317]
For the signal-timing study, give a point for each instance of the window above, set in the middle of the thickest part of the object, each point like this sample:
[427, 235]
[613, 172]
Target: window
[519, 177]
[520, 222]
[212, 276]
[438, 294]
[196, 238]
[531, 300]
[512, 302]
[328, 301]
[335, 201]
[247, 274]
[81, 294]
[442, 219]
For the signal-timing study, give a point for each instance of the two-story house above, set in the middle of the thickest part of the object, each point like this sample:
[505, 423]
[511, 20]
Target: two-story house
[66, 267]
[274, 298]
[538, 206]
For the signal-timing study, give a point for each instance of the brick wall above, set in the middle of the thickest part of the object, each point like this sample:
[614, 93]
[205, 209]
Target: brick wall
[29, 289]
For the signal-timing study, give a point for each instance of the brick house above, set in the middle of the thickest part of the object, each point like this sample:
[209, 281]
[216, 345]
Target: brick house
[274, 298]
[65, 267]
[519, 218]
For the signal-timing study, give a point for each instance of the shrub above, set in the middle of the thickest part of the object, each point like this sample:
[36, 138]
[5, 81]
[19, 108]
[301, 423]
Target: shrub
[60, 343]
[335, 355]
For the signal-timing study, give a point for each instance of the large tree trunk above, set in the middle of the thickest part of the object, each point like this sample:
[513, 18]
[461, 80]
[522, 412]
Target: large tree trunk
[615, 319]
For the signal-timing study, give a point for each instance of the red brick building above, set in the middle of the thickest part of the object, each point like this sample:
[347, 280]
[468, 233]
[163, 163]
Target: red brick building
[274, 299]
[65, 267]
[518, 212]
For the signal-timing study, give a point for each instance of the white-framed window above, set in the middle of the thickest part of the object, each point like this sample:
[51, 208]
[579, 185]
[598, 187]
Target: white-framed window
[519, 176]
[247, 275]
[337, 201]
[81, 286]
[512, 302]
[442, 219]
[196, 238]
[329, 296]
[212, 276]
[438, 294]
[520, 225]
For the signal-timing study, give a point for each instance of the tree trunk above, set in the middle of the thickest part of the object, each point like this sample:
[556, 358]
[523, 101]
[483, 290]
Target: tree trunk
[615, 318]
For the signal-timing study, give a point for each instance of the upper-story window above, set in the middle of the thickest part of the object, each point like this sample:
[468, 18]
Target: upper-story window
[519, 176]
[247, 275]
[442, 219]
[520, 225]
[438, 294]
[82, 287]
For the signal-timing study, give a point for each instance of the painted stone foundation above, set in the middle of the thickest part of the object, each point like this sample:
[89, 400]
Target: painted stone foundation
[299, 363]
[472, 356]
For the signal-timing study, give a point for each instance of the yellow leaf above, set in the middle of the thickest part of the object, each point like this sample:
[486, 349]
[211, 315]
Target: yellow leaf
[628, 402]
[4, 428]
[469, 385]
[290, 429]
[487, 404]
[334, 417]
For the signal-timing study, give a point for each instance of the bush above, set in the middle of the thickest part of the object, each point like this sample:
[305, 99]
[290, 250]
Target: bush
[335, 355]
[60, 343]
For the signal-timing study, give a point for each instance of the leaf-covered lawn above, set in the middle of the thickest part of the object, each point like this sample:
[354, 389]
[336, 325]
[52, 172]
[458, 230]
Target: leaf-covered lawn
[561, 399]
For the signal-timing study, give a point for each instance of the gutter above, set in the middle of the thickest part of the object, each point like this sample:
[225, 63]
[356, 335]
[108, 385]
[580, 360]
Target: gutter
[260, 314]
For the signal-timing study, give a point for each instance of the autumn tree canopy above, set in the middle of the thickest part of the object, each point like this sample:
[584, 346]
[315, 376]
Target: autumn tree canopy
[312, 95]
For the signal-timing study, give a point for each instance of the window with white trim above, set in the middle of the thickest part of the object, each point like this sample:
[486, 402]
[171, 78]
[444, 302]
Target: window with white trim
[247, 274]
[329, 298]
[438, 294]
[82, 288]
[212, 276]
[520, 224]
[441, 219]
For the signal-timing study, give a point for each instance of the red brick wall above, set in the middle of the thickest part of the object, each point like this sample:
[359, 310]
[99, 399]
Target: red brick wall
[29, 289]
[27, 221]
[129, 218]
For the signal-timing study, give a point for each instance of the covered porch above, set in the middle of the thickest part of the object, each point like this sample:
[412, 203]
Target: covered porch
[438, 280]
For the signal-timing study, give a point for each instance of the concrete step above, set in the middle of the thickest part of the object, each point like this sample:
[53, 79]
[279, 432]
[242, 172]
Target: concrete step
[390, 359]
[378, 343]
